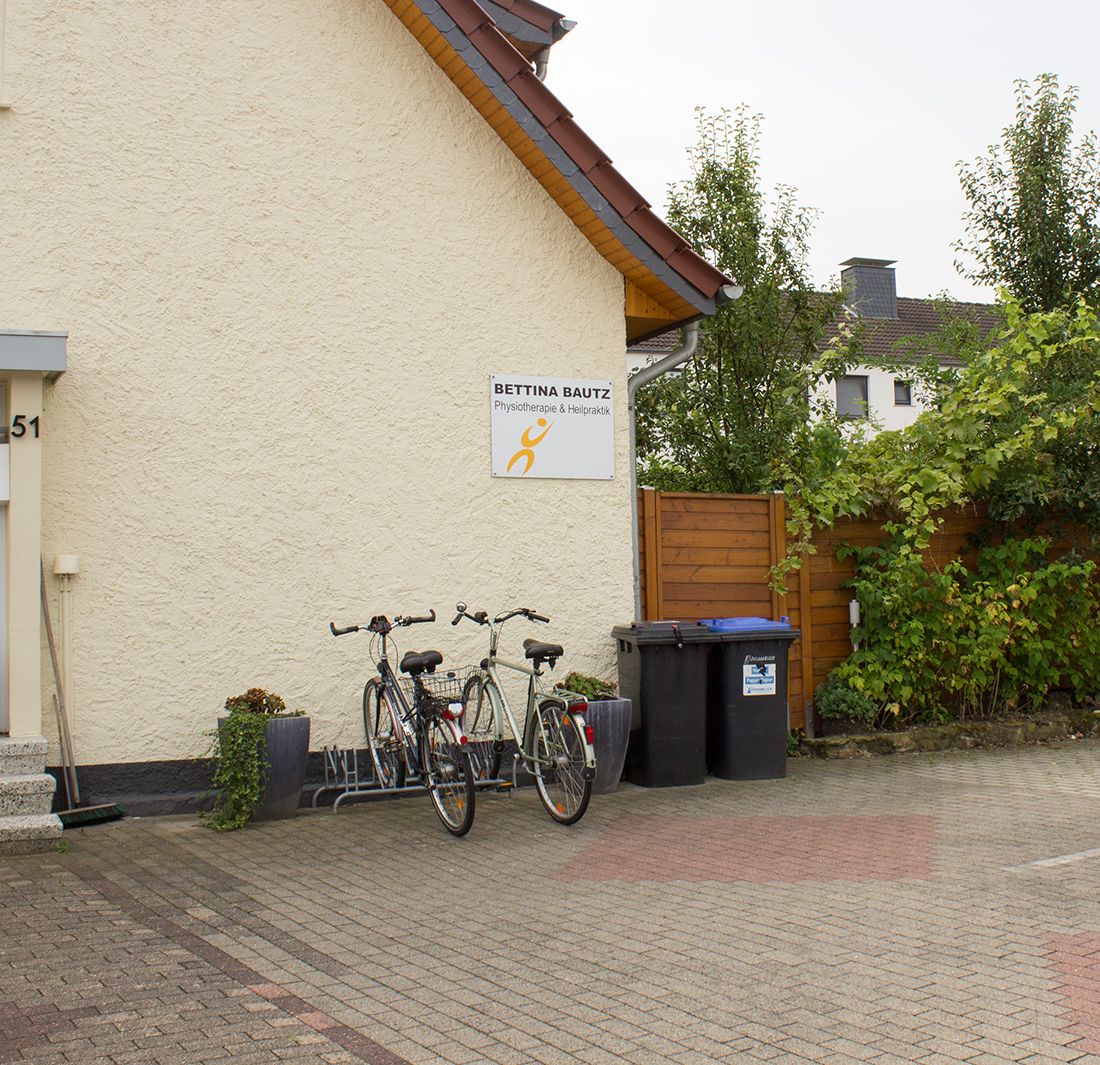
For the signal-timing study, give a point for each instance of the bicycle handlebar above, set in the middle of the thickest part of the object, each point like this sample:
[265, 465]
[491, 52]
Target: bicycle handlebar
[410, 620]
[480, 617]
[381, 624]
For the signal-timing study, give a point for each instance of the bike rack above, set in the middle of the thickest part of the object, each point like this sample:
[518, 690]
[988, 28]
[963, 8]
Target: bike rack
[342, 774]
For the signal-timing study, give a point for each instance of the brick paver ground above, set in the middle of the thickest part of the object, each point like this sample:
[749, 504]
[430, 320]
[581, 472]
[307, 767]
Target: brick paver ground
[882, 911]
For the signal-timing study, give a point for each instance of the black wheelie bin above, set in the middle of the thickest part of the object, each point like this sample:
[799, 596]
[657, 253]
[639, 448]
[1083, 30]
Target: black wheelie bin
[747, 719]
[663, 671]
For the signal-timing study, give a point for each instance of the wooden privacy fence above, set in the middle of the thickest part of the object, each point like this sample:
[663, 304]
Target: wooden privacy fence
[709, 555]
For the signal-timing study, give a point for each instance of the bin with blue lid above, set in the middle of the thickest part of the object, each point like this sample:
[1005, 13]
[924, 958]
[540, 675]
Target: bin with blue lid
[747, 718]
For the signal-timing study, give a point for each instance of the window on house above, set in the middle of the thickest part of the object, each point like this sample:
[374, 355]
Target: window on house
[851, 396]
[903, 393]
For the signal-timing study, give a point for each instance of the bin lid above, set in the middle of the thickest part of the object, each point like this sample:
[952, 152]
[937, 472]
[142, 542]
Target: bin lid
[746, 625]
[664, 632]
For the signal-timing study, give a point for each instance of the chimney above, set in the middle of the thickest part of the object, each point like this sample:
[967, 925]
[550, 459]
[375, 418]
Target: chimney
[870, 287]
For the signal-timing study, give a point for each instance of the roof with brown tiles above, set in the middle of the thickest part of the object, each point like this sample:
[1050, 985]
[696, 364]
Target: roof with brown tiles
[530, 27]
[886, 337]
[882, 337]
[474, 37]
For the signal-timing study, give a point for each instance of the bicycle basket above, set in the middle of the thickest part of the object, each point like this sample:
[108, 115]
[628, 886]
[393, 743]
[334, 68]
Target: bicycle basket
[441, 689]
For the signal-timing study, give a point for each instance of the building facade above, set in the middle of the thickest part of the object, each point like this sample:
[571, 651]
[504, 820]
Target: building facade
[280, 252]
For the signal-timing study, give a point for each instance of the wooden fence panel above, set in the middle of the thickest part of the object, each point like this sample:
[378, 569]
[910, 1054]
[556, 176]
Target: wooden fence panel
[710, 555]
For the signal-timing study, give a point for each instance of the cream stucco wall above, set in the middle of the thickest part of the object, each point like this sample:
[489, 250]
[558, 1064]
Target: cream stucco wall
[289, 254]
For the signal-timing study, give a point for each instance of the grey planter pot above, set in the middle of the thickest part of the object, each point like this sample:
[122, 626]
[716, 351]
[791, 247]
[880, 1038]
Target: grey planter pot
[287, 753]
[611, 720]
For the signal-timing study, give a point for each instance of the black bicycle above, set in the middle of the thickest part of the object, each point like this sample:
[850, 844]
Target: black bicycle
[414, 725]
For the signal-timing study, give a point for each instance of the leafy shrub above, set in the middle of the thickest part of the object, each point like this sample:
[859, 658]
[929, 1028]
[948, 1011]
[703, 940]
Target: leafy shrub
[967, 642]
[588, 686]
[834, 699]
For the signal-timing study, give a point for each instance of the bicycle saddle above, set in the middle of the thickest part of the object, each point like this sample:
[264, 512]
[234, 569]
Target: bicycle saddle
[541, 651]
[414, 662]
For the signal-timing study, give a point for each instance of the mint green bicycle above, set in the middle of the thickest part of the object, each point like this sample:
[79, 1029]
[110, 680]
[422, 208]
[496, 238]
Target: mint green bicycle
[557, 741]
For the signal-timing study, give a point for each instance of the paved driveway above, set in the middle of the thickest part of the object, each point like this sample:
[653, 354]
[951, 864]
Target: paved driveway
[894, 910]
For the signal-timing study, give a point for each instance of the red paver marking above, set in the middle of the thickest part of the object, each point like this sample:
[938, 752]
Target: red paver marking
[1076, 959]
[759, 849]
[267, 990]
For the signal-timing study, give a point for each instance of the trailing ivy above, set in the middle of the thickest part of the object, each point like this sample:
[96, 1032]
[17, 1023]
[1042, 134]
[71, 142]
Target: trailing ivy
[240, 761]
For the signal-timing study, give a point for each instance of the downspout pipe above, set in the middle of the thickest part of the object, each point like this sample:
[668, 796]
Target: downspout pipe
[542, 62]
[688, 343]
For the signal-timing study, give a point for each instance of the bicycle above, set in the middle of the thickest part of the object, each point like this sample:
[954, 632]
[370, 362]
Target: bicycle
[422, 738]
[557, 741]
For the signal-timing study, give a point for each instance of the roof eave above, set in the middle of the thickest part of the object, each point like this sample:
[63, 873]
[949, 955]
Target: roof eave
[478, 42]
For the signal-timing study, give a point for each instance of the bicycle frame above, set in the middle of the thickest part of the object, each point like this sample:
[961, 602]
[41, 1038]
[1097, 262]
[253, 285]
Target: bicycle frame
[408, 720]
[502, 709]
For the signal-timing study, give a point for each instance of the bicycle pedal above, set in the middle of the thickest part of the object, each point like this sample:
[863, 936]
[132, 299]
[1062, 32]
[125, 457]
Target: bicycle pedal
[507, 785]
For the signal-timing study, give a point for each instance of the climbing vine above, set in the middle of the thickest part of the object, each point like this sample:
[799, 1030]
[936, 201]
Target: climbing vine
[1018, 433]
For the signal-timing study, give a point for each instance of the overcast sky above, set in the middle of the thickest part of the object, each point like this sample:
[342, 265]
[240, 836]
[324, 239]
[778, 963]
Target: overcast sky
[868, 104]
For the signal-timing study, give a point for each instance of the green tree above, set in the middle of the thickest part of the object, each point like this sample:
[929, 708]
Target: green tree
[1020, 432]
[1032, 226]
[729, 422]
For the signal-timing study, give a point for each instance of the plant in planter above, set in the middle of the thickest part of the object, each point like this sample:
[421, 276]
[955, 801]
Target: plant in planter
[260, 753]
[610, 717]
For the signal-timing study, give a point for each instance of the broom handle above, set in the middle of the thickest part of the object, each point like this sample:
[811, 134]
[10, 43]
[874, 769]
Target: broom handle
[61, 748]
[63, 717]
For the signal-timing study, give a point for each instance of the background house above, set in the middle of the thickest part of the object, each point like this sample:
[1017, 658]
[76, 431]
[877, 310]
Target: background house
[892, 327]
[278, 292]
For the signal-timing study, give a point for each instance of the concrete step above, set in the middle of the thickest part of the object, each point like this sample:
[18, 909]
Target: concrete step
[27, 793]
[28, 833]
[25, 755]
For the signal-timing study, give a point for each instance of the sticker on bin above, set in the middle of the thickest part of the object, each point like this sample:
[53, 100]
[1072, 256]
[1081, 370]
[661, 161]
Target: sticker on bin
[759, 679]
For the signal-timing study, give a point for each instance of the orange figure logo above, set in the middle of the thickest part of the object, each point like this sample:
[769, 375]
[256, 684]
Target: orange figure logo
[527, 452]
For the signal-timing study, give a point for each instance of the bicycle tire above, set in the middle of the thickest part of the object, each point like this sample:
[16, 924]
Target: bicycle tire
[563, 788]
[477, 720]
[387, 751]
[448, 776]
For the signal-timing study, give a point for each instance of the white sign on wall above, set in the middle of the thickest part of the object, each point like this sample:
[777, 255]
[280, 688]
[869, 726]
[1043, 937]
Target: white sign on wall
[552, 427]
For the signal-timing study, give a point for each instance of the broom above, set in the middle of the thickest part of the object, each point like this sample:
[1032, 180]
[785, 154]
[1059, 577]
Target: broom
[77, 816]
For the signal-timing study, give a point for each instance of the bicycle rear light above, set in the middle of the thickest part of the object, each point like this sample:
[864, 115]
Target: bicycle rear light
[579, 707]
[590, 733]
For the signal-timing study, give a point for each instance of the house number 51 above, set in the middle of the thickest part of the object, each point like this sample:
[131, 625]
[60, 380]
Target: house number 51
[21, 423]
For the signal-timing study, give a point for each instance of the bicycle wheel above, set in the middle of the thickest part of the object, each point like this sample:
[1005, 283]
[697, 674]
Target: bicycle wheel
[557, 750]
[477, 721]
[387, 749]
[450, 780]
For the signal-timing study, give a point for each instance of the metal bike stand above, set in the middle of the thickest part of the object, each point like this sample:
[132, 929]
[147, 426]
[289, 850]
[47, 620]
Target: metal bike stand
[342, 775]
